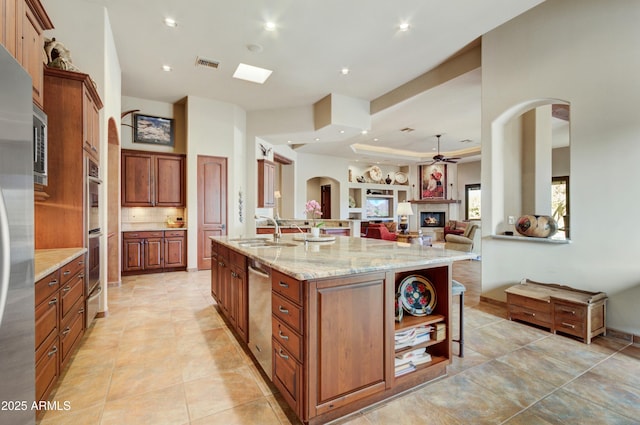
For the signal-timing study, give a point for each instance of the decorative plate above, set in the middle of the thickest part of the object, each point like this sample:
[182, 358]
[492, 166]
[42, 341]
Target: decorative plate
[375, 173]
[417, 295]
[401, 177]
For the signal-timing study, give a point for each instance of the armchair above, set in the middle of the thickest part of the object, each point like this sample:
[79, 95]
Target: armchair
[462, 242]
[455, 227]
[380, 231]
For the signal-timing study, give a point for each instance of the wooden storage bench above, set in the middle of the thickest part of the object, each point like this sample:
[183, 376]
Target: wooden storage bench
[559, 308]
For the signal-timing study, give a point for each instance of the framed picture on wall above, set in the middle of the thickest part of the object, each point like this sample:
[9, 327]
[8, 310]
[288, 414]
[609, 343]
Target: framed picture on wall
[433, 181]
[152, 130]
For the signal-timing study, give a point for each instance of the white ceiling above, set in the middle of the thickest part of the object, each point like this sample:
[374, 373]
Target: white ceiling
[312, 42]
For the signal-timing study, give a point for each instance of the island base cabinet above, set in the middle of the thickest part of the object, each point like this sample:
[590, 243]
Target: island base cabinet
[347, 319]
[287, 377]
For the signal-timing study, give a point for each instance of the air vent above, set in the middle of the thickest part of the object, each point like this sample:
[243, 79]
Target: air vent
[407, 130]
[207, 63]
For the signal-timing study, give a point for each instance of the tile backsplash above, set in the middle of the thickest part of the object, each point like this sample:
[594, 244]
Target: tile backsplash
[150, 215]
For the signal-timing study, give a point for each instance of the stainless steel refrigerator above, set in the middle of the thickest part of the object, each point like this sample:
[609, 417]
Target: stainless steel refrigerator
[17, 326]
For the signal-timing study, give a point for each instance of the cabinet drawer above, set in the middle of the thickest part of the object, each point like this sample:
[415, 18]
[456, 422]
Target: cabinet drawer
[174, 233]
[572, 327]
[47, 286]
[70, 294]
[287, 312]
[287, 377]
[46, 321]
[142, 235]
[568, 312]
[530, 303]
[47, 370]
[286, 286]
[72, 331]
[69, 270]
[289, 339]
[529, 315]
[238, 260]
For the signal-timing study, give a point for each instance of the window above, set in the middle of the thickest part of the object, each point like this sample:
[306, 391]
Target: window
[560, 203]
[472, 201]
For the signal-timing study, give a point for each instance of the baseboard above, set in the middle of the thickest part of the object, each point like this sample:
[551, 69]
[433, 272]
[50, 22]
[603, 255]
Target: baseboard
[114, 284]
[102, 314]
[626, 336]
[192, 270]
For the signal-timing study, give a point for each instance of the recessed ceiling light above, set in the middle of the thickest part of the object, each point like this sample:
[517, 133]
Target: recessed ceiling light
[317, 139]
[344, 71]
[167, 68]
[341, 131]
[170, 22]
[364, 132]
[404, 26]
[270, 26]
[376, 139]
[252, 73]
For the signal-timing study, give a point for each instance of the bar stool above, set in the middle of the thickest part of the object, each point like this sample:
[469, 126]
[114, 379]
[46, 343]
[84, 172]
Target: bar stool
[458, 288]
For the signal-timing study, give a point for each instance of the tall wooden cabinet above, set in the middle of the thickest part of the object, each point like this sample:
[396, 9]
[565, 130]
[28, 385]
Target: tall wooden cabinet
[153, 180]
[21, 32]
[266, 184]
[65, 101]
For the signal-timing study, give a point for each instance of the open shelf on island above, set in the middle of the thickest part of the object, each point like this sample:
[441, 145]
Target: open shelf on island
[413, 321]
[420, 345]
[434, 360]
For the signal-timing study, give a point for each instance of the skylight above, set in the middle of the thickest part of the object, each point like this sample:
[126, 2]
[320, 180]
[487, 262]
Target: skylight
[252, 73]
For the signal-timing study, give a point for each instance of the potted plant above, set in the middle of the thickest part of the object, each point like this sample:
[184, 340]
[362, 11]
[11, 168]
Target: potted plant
[312, 208]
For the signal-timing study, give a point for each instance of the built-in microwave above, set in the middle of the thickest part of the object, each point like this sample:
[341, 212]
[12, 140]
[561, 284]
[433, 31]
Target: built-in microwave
[39, 146]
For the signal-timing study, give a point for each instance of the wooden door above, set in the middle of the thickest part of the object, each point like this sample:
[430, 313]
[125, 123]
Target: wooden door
[174, 252]
[132, 254]
[325, 201]
[212, 205]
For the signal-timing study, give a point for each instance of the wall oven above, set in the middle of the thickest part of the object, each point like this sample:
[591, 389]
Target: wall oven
[93, 289]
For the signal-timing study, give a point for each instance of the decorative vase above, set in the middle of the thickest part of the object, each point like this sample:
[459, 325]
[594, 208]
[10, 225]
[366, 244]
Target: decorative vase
[539, 226]
[315, 232]
[388, 180]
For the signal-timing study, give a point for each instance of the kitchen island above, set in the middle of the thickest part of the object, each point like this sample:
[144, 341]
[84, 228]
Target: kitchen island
[319, 316]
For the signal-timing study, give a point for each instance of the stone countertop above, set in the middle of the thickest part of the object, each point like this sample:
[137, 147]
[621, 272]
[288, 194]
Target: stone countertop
[148, 227]
[49, 260]
[303, 226]
[344, 256]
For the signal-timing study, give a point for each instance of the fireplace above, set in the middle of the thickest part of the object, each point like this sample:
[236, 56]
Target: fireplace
[432, 219]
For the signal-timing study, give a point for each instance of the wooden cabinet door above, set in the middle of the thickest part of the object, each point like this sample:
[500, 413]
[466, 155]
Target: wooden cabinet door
[266, 184]
[33, 41]
[137, 179]
[224, 277]
[170, 188]
[132, 254]
[347, 319]
[91, 125]
[240, 293]
[215, 283]
[175, 250]
[11, 26]
[153, 253]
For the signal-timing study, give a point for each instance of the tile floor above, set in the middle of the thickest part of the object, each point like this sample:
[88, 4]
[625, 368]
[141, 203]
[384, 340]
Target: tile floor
[164, 356]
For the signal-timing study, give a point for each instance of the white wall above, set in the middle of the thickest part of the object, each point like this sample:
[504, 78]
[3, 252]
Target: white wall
[468, 173]
[85, 30]
[147, 107]
[585, 52]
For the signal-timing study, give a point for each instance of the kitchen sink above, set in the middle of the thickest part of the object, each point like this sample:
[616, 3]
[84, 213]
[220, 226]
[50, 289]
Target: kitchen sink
[265, 244]
[248, 240]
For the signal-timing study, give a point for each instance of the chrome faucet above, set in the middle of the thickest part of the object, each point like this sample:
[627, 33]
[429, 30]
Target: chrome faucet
[276, 233]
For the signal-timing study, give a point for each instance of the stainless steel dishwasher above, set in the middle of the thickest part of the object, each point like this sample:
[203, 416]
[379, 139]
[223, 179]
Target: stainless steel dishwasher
[260, 313]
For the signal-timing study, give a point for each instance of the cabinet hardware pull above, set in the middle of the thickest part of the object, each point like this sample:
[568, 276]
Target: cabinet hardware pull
[66, 331]
[284, 285]
[283, 310]
[53, 282]
[568, 325]
[220, 263]
[67, 272]
[569, 311]
[81, 263]
[530, 314]
[133, 234]
[53, 351]
[66, 288]
[53, 301]
[284, 356]
[81, 276]
[283, 336]
[81, 311]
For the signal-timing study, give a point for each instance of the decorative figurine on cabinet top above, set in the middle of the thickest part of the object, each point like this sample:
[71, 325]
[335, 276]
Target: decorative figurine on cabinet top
[538, 226]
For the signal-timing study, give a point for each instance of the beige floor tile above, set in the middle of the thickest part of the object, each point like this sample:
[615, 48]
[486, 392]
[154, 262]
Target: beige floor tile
[166, 406]
[88, 416]
[607, 392]
[568, 349]
[82, 391]
[137, 378]
[563, 407]
[543, 366]
[486, 342]
[410, 410]
[201, 363]
[620, 368]
[222, 391]
[283, 411]
[255, 412]
[470, 359]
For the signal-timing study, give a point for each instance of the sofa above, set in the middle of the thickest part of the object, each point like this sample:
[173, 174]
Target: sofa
[380, 231]
[455, 227]
[463, 242]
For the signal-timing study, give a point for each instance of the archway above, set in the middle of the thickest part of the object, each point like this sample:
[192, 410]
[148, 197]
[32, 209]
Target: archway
[316, 186]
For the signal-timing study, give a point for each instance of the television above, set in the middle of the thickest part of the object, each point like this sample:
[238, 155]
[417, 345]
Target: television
[378, 207]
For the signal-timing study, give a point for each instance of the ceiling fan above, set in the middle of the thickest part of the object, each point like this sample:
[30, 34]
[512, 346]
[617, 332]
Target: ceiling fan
[442, 158]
